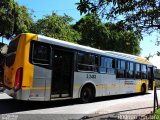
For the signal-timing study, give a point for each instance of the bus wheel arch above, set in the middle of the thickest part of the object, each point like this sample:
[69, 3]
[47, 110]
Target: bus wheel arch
[143, 88]
[87, 93]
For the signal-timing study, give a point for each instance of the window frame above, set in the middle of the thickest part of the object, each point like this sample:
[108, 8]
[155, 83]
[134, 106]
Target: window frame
[94, 66]
[137, 72]
[129, 70]
[104, 68]
[31, 59]
[144, 73]
[121, 70]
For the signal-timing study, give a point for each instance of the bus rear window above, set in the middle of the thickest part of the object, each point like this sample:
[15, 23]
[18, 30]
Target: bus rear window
[13, 46]
[11, 53]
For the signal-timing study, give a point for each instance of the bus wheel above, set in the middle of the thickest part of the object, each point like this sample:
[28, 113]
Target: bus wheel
[87, 94]
[143, 89]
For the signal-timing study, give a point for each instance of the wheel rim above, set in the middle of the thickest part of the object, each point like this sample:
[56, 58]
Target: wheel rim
[86, 95]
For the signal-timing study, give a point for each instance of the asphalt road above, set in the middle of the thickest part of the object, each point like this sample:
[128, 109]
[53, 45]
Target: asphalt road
[104, 107]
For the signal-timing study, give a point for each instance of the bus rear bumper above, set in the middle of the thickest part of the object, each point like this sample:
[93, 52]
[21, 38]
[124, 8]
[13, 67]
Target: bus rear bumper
[23, 95]
[10, 92]
[19, 95]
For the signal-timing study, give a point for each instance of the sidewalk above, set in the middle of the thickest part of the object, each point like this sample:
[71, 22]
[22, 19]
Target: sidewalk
[132, 114]
[124, 111]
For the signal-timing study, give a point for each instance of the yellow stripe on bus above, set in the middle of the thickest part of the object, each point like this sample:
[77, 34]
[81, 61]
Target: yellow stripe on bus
[76, 86]
[138, 86]
[36, 88]
[113, 86]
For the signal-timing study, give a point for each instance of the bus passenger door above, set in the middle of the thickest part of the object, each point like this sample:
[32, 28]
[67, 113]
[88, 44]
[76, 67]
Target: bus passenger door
[62, 75]
[150, 78]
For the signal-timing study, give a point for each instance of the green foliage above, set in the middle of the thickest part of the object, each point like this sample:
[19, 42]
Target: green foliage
[57, 27]
[107, 36]
[156, 115]
[125, 42]
[141, 14]
[88, 31]
[23, 21]
[91, 31]
[14, 19]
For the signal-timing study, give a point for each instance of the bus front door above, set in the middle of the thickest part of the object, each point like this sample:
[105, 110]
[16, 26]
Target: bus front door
[150, 78]
[62, 75]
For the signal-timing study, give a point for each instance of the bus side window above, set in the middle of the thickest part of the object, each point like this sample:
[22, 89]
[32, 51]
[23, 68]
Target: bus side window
[144, 71]
[86, 62]
[110, 65]
[121, 68]
[102, 68]
[137, 71]
[40, 53]
[130, 70]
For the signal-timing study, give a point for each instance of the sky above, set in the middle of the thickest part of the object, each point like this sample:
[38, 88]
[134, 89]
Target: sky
[45, 7]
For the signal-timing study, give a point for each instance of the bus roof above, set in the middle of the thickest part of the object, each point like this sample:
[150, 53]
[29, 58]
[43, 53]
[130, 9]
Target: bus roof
[74, 46]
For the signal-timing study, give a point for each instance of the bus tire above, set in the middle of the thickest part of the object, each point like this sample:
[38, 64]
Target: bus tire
[143, 89]
[87, 93]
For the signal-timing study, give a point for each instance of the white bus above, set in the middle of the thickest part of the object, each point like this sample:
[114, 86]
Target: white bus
[39, 68]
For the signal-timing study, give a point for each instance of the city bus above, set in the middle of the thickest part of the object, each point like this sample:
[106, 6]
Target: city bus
[40, 68]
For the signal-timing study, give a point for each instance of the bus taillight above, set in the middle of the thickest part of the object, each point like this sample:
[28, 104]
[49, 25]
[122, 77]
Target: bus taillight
[18, 79]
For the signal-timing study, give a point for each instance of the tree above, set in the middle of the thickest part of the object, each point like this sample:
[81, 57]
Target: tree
[57, 27]
[141, 14]
[107, 36]
[92, 31]
[14, 19]
[123, 40]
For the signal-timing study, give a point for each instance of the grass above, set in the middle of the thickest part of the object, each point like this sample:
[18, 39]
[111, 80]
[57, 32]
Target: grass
[156, 115]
